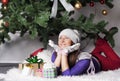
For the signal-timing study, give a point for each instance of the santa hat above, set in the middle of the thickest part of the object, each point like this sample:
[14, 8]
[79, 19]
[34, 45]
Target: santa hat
[73, 34]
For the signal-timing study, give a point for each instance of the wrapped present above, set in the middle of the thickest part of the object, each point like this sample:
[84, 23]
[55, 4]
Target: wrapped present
[33, 64]
[39, 72]
[34, 61]
[28, 70]
[49, 71]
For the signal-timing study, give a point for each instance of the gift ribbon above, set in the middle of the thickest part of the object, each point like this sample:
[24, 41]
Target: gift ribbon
[29, 65]
[68, 7]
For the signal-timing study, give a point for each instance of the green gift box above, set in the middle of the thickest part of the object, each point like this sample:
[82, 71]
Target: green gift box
[50, 73]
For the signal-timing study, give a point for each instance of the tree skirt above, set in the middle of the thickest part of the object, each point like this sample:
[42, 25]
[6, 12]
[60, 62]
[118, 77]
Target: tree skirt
[14, 74]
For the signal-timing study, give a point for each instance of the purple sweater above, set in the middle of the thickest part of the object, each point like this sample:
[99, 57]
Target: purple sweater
[79, 68]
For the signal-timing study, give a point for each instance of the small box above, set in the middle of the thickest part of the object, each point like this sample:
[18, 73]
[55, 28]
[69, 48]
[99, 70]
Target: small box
[50, 73]
[39, 73]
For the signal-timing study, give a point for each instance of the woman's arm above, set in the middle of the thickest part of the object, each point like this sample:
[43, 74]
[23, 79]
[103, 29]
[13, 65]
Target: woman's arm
[64, 62]
[53, 59]
[79, 68]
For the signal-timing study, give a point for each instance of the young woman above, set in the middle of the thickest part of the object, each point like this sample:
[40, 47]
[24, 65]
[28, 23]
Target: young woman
[108, 59]
[67, 57]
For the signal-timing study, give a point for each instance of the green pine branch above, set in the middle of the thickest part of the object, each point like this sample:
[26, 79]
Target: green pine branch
[33, 17]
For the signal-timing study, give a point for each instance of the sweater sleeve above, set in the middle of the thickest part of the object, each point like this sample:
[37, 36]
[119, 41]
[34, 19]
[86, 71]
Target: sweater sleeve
[79, 68]
[53, 60]
[53, 57]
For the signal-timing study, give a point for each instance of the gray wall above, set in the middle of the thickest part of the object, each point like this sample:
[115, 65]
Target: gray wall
[18, 48]
[113, 17]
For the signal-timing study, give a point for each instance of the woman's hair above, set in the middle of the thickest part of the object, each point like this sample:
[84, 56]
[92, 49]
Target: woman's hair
[72, 57]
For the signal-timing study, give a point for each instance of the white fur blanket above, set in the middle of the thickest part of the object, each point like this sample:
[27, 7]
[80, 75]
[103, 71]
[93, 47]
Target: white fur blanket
[14, 74]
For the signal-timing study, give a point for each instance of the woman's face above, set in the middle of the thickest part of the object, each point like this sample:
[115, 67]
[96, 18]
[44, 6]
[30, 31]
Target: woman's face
[64, 41]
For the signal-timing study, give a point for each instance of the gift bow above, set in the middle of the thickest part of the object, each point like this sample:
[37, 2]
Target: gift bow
[34, 59]
[65, 4]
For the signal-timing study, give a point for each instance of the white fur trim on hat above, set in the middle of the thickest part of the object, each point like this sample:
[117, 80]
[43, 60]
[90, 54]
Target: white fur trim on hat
[72, 34]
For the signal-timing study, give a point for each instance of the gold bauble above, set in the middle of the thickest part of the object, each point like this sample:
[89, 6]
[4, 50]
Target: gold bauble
[104, 12]
[4, 7]
[78, 5]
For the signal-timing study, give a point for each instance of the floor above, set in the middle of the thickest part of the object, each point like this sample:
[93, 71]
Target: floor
[4, 67]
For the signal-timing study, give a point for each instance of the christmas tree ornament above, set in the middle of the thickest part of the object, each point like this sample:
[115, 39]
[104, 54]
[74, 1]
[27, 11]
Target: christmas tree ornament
[78, 5]
[91, 4]
[4, 7]
[0, 16]
[2, 30]
[6, 24]
[1, 22]
[4, 2]
[102, 1]
[104, 12]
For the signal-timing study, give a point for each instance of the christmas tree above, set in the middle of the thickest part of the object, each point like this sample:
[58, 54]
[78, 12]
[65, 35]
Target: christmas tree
[44, 18]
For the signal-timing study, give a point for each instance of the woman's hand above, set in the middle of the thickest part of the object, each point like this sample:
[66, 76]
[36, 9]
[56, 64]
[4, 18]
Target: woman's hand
[70, 49]
[65, 50]
[52, 44]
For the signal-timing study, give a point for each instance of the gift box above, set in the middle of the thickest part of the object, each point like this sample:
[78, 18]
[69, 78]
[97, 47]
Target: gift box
[34, 61]
[49, 70]
[27, 70]
[30, 68]
[50, 73]
[39, 72]
[35, 66]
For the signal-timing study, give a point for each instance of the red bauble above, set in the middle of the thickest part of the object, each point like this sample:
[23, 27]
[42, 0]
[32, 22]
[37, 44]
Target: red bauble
[4, 2]
[91, 4]
[102, 1]
[6, 24]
